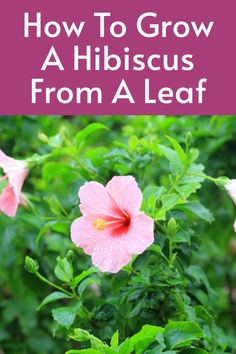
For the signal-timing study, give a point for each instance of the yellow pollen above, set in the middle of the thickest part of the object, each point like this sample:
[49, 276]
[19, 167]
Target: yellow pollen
[99, 224]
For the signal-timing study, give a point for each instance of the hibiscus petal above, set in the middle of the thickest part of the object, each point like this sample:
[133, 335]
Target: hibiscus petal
[5, 161]
[94, 199]
[84, 235]
[110, 255]
[231, 189]
[126, 193]
[16, 172]
[10, 164]
[9, 201]
[16, 179]
[140, 234]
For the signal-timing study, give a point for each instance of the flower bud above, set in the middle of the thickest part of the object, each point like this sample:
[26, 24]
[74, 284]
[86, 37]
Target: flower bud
[31, 265]
[43, 137]
[172, 227]
[188, 138]
[70, 256]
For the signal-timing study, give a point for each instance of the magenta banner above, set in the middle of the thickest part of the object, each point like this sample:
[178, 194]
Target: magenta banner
[118, 57]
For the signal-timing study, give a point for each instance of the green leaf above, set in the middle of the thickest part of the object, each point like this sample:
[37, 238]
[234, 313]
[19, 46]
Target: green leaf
[157, 249]
[169, 201]
[193, 154]
[55, 205]
[141, 304]
[65, 316]
[91, 128]
[133, 143]
[150, 196]
[141, 340]
[64, 270]
[178, 148]
[198, 274]
[81, 335]
[85, 283]
[84, 275]
[115, 340]
[182, 237]
[53, 169]
[200, 210]
[171, 155]
[202, 314]
[57, 295]
[117, 153]
[126, 347]
[182, 334]
[145, 337]
[60, 226]
[187, 189]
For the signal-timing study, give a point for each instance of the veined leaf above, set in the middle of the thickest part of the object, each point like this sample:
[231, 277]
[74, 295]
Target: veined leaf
[65, 316]
[182, 334]
[57, 295]
[178, 148]
[200, 210]
[115, 340]
[173, 157]
[83, 275]
[91, 128]
[64, 270]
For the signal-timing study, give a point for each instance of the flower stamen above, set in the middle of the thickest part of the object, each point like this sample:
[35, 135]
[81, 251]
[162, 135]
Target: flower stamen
[100, 224]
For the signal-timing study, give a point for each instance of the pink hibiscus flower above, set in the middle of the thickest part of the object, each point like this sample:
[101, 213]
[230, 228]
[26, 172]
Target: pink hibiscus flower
[112, 228]
[15, 174]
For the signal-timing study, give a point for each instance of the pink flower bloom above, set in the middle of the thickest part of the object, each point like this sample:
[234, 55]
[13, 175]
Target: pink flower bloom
[112, 228]
[231, 189]
[15, 174]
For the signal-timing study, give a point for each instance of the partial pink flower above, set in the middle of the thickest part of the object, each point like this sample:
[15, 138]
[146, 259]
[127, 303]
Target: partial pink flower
[230, 186]
[112, 228]
[15, 173]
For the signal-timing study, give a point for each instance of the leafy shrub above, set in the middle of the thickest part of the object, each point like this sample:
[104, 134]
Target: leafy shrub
[176, 297]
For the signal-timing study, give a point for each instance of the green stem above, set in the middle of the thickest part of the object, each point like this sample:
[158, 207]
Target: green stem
[170, 250]
[130, 270]
[47, 218]
[75, 294]
[178, 178]
[202, 176]
[80, 165]
[38, 159]
[72, 295]
[41, 277]
[65, 138]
